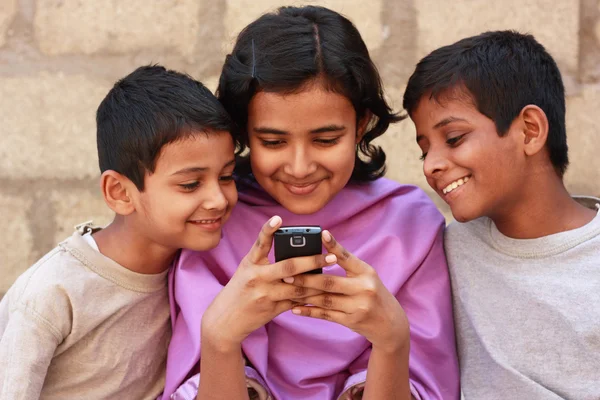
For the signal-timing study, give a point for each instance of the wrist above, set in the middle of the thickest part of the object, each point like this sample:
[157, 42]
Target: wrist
[220, 343]
[396, 342]
[217, 339]
[398, 347]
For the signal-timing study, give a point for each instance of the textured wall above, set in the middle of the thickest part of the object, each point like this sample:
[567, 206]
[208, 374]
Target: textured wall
[58, 58]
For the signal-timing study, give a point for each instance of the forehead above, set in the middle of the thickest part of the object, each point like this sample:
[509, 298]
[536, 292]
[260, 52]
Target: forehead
[452, 106]
[210, 150]
[306, 107]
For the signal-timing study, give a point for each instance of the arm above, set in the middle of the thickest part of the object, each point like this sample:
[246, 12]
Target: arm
[222, 367]
[425, 298]
[361, 302]
[253, 296]
[387, 376]
[27, 346]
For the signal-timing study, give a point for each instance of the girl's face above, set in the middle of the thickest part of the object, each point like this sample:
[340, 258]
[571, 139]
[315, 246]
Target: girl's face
[303, 145]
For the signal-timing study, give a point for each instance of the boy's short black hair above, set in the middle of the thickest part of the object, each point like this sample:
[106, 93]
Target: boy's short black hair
[286, 50]
[502, 72]
[148, 109]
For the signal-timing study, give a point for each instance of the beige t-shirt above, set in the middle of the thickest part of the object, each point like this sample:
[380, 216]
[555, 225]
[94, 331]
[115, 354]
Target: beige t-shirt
[77, 325]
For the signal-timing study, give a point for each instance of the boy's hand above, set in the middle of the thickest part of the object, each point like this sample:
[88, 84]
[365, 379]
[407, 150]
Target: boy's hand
[256, 294]
[359, 301]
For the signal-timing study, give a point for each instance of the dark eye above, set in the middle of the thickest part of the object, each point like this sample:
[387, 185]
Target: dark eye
[453, 141]
[328, 142]
[272, 143]
[226, 178]
[190, 186]
[422, 158]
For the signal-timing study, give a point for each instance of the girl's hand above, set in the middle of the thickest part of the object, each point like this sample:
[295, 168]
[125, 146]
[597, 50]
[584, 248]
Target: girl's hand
[359, 301]
[256, 294]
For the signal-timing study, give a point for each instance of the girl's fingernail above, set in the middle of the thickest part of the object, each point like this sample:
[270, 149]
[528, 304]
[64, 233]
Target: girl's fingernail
[276, 220]
[330, 258]
[288, 280]
[296, 311]
[327, 236]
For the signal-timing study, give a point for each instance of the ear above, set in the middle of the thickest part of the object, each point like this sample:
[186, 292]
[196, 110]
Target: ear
[117, 190]
[535, 129]
[362, 126]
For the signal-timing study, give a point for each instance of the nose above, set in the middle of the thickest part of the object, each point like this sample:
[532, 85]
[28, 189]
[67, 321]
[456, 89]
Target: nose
[215, 198]
[301, 163]
[435, 163]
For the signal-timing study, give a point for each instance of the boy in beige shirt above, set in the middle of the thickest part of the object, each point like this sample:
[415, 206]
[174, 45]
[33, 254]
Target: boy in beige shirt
[91, 318]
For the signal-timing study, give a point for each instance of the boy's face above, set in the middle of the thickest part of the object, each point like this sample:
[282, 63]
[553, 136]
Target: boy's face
[191, 193]
[477, 172]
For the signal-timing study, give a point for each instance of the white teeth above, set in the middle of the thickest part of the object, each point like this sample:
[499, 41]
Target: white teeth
[455, 184]
[206, 221]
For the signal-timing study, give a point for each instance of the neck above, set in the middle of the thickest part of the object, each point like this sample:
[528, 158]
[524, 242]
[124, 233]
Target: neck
[132, 250]
[542, 208]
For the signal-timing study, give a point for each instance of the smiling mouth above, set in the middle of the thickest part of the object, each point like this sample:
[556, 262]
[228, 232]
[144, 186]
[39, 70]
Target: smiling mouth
[208, 224]
[456, 184]
[302, 189]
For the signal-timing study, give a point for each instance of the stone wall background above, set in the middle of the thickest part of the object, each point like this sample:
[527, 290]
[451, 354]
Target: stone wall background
[58, 58]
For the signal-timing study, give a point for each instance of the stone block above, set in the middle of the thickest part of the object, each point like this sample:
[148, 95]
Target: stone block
[114, 26]
[16, 240]
[554, 25]
[72, 207]
[7, 13]
[583, 125]
[49, 126]
[366, 15]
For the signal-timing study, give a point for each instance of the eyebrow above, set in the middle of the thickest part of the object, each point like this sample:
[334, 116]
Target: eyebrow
[199, 169]
[447, 121]
[441, 124]
[323, 129]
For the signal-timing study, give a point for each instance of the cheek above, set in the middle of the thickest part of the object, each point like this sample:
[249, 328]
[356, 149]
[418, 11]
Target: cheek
[231, 194]
[265, 162]
[341, 158]
[341, 161]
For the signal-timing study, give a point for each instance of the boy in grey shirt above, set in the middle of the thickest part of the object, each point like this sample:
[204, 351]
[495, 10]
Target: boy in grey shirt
[524, 256]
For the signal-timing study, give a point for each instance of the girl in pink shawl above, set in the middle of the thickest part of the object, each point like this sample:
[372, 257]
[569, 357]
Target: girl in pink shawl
[377, 324]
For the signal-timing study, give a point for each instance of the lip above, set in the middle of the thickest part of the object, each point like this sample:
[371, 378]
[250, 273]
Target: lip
[210, 227]
[448, 197]
[302, 189]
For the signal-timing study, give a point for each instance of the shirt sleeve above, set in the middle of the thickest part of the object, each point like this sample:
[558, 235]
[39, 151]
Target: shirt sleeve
[354, 386]
[257, 388]
[27, 346]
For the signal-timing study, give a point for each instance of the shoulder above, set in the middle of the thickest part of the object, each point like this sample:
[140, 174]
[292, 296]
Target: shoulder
[460, 234]
[464, 240]
[388, 190]
[411, 201]
[43, 292]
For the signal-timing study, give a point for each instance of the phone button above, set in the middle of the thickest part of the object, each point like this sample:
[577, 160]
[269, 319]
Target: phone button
[297, 241]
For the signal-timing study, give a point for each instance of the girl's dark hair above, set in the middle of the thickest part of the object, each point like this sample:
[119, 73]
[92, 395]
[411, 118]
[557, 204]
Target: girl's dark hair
[284, 51]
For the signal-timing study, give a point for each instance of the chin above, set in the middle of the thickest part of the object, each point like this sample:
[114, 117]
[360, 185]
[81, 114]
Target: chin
[465, 215]
[304, 207]
[206, 242]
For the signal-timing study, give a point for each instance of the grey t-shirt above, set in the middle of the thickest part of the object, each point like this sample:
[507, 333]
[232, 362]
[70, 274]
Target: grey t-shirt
[527, 312]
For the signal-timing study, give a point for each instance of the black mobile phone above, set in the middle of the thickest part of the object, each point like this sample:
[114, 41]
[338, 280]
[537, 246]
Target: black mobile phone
[298, 241]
